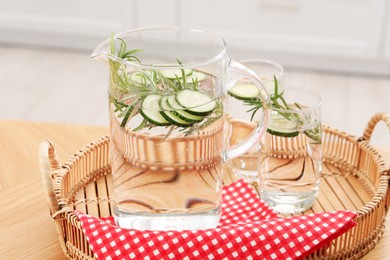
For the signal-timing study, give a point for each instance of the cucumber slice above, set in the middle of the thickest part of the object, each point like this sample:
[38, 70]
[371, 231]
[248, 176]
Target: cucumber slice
[171, 116]
[187, 116]
[172, 103]
[151, 110]
[179, 111]
[163, 103]
[172, 74]
[195, 102]
[281, 126]
[244, 91]
[175, 120]
[175, 114]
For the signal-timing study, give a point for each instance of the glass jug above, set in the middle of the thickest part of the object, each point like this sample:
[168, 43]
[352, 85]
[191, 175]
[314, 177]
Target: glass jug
[167, 94]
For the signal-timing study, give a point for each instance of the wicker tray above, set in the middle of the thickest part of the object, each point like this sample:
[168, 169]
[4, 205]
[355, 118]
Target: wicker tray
[355, 177]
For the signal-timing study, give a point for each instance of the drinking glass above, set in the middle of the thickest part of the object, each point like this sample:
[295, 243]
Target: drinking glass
[267, 70]
[290, 152]
[167, 102]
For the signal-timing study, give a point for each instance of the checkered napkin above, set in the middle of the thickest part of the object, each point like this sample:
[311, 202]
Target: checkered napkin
[248, 229]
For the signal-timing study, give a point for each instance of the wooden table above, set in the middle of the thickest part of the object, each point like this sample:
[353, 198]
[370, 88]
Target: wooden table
[26, 229]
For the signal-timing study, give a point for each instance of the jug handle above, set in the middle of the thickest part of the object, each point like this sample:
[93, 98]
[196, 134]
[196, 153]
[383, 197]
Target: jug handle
[243, 146]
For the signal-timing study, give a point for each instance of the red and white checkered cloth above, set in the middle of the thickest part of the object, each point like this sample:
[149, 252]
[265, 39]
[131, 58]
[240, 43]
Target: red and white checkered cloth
[248, 229]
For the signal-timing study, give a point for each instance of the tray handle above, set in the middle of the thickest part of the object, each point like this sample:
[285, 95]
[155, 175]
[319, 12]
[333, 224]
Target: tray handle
[378, 117]
[373, 122]
[49, 164]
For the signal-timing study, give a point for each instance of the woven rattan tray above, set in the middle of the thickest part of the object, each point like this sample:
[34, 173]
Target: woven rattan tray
[354, 177]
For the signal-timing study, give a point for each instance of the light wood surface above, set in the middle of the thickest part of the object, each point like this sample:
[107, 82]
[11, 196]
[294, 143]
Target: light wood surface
[26, 229]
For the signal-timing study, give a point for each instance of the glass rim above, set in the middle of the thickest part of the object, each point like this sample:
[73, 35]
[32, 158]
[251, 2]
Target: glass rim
[221, 53]
[274, 63]
[316, 104]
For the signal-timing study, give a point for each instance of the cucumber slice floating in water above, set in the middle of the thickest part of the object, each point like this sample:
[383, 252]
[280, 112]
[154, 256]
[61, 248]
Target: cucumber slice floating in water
[281, 126]
[178, 110]
[195, 102]
[244, 91]
[173, 119]
[163, 103]
[187, 116]
[172, 103]
[169, 115]
[150, 110]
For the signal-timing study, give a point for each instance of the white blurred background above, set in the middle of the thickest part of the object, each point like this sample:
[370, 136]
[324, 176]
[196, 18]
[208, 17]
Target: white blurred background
[339, 49]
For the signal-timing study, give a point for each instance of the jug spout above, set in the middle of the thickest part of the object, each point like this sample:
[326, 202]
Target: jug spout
[115, 49]
[102, 52]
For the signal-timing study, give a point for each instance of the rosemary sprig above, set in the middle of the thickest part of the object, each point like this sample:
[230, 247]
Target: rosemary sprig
[183, 74]
[129, 111]
[122, 52]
